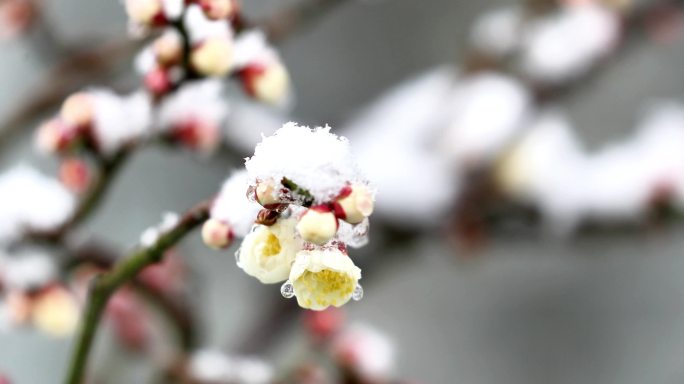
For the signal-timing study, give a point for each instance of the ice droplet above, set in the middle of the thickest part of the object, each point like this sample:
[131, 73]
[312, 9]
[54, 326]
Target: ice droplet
[358, 292]
[359, 237]
[251, 193]
[287, 290]
[237, 257]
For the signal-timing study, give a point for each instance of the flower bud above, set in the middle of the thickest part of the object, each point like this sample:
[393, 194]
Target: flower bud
[213, 57]
[145, 12]
[266, 193]
[217, 234]
[55, 136]
[74, 174]
[56, 312]
[219, 9]
[198, 134]
[157, 81]
[267, 83]
[323, 324]
[168, 49]
[16, 16]
[317, 225]
[77, 110]
[354, 204]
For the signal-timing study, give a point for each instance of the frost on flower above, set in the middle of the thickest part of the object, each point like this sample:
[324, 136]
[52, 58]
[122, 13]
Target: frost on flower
[549, 169]
[233, 209]
[367, 352]
[400, 127]
[488, 110]
[31, 201]
[32, 295]
[497, 33]
[312, 202]
[99, 118]
[118, 120]
[314, 159]
[194, 115]
[565, 44]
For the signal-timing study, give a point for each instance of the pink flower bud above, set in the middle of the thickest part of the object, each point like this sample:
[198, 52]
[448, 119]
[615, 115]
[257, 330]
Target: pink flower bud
[219, 9]
[317, 225]
[217, 234]
[168, 49]
[77, 110]
[198, 134]
[74, 174]
[16, 16]
[268, 83]
[212, 57]
[158, 82]
[19, 306]
[354, 204]
[55, 136]
[323, 324]
[145, 12]
[128, 320]
[169, 276]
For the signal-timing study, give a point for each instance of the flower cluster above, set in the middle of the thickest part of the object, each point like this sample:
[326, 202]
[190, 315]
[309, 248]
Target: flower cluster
[97, 119]
[553, 46]
[205, 38]
[31, 294]
[182, 101]
[309, 202]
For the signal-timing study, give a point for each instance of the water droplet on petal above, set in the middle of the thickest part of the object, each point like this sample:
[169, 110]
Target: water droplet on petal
[237, 257]
[358, 293]
[287, 290]
[251, 193]
[359, 236]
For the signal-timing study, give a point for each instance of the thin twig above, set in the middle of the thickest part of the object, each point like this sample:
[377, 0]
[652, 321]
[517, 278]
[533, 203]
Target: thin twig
[105, 285]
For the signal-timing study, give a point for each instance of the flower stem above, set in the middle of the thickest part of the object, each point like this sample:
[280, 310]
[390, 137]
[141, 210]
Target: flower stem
[104, 286]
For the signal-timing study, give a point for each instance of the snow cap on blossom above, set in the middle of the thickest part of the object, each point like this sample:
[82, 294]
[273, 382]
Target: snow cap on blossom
[118, 120]
[314, 159]
[153, 12]
[487, 111]
[232, 206]
[497, 32]
[367, 352]
[212, 52]
[566, 43]
[268, 252]
[219, 9]
[544, 168]
[619, 183]
[27, 270]
[400, 128]
[216, 367]
[195, 114]
[31, 201]
[261, 71]
[323, 277]
[108, 119]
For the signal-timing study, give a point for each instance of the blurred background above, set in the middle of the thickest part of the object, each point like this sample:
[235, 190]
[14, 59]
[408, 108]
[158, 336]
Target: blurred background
[538, 249]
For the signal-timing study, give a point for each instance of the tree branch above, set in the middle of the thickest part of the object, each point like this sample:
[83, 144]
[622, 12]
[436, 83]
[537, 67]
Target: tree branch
[104, 286]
